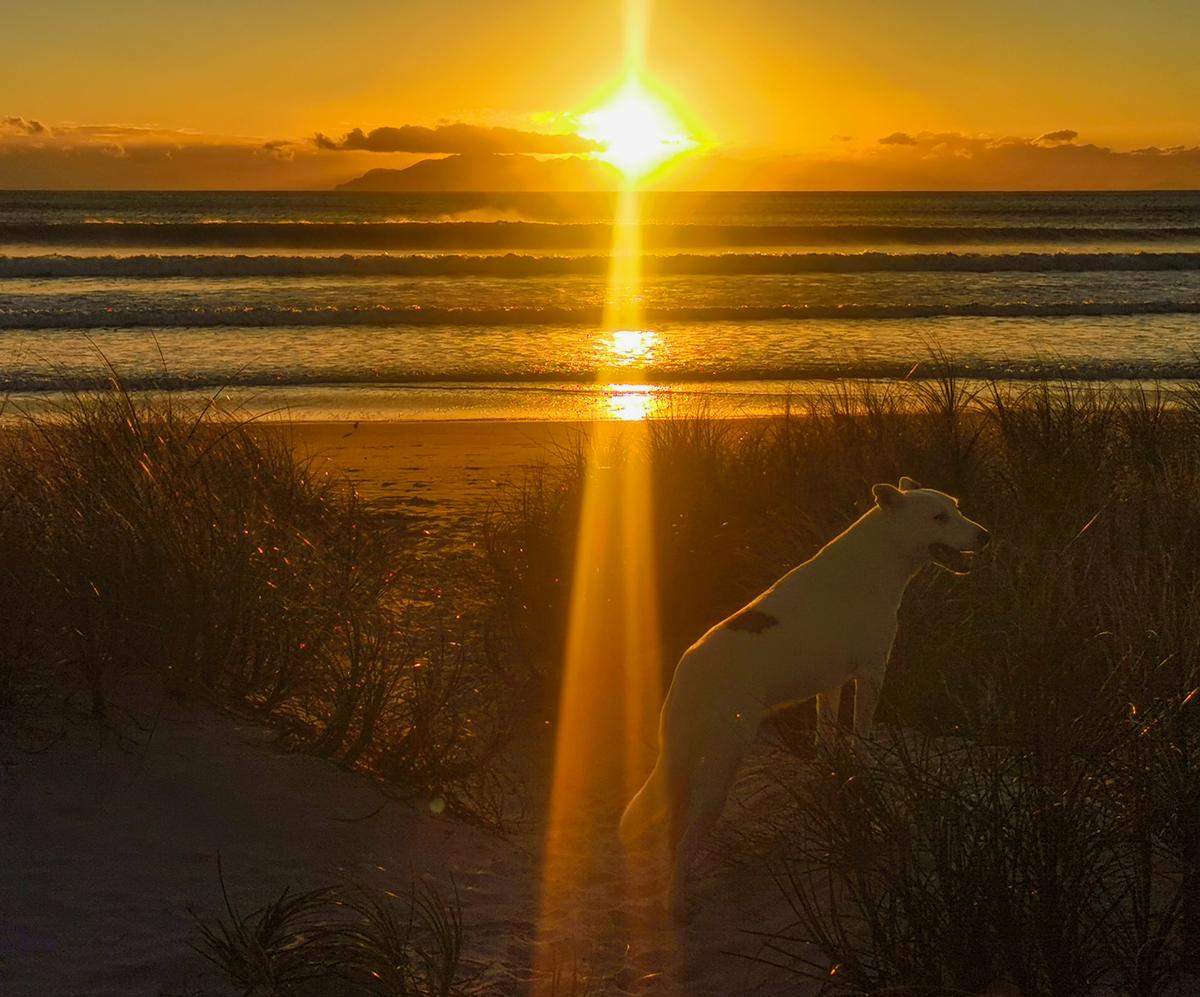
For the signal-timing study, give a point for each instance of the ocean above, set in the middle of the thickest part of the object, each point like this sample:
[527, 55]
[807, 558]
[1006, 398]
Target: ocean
[416, 306]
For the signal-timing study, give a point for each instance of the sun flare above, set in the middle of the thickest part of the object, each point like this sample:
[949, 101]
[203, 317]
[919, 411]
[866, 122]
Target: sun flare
[637, 130]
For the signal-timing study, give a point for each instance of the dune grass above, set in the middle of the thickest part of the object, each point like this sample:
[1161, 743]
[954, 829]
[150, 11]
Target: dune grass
[1092, 494]
[184, 552]
[1032, 820]
[334, 941]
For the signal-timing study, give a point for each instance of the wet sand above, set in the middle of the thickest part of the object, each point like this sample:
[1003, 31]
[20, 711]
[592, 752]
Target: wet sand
[421, 467]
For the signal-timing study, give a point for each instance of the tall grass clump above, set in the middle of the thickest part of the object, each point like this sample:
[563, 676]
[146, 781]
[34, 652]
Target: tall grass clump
[1030, 819]
[152, 546]
[1053, 865]
[191, 547]
[353, 943]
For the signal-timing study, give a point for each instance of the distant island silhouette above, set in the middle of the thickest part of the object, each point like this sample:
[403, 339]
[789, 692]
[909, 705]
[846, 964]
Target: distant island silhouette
[492, 171]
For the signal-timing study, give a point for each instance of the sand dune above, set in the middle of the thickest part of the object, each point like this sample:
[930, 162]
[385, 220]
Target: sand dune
[107, 844]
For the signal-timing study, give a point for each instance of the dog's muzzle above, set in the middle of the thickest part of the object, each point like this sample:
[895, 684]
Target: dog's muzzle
[956, 561]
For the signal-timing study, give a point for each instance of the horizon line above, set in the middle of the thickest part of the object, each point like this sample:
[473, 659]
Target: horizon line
[603, 191]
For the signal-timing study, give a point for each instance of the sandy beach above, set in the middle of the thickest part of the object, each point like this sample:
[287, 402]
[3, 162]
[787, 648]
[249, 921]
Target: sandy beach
[109, 847]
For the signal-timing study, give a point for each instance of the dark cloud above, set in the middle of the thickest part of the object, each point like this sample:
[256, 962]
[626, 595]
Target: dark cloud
[898, 138]
[27, 126]
[456, 138]
[280, 149]
[1062, 135]
[1158, 150]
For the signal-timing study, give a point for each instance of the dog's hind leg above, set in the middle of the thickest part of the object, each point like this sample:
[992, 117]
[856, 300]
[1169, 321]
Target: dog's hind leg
[700, 809]
[649, 805]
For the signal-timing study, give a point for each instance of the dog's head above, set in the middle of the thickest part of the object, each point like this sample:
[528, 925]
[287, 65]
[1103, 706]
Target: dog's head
[931, 525]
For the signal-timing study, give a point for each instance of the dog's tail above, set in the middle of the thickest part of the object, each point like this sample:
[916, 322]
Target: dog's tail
[649, 806]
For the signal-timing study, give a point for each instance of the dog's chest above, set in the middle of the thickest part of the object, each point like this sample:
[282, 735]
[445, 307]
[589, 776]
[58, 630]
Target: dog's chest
[819, 652]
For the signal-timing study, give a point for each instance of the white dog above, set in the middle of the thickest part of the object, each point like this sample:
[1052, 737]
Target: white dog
[831, 620]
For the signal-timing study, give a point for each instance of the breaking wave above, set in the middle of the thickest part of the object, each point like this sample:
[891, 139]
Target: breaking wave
[496, 235]
[519, 265]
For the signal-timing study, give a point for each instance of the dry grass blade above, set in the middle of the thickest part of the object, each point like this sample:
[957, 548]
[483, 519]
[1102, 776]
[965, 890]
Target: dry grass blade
[322, 941]
[274, 949]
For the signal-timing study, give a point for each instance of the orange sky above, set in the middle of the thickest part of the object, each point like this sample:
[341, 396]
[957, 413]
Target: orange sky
[787, 93]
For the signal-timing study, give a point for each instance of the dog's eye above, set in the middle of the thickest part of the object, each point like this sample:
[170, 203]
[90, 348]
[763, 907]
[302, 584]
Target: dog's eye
[942, 517]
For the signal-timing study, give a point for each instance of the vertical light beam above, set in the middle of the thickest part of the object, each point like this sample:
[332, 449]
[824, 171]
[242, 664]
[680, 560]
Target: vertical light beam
[611, 689]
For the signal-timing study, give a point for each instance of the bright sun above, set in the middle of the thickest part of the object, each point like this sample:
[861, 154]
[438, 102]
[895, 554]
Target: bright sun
[636, 129]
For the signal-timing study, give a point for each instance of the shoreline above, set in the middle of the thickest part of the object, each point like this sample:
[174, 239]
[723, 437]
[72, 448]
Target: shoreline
[568, 404]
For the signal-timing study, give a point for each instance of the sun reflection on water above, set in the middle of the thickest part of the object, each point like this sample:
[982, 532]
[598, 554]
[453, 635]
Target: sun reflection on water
[626, 347]
[633, 402]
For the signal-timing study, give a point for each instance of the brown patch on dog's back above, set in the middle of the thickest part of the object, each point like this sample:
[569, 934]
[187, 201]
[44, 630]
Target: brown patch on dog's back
[753, 621]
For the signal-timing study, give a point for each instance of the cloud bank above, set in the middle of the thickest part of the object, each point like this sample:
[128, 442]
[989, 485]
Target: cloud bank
[1053, 160]
[953, 161]
[455, 138]
[34, 155]
[49, 155]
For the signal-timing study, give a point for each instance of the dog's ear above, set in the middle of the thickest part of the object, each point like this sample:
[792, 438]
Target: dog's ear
[907, 484]
[887, 496]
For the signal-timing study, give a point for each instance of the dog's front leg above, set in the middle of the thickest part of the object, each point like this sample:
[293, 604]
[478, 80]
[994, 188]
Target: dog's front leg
[828, 707]
[866, 698]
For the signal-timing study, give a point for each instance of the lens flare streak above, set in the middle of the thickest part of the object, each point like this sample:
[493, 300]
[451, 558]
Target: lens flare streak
[611, 687]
